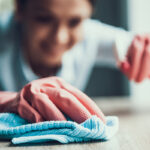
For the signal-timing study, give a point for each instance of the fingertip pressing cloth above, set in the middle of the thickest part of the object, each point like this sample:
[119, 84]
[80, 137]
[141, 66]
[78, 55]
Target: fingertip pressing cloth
[20, 131]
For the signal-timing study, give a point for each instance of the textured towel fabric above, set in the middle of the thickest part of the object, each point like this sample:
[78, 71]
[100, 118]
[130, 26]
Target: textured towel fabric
[20, 131]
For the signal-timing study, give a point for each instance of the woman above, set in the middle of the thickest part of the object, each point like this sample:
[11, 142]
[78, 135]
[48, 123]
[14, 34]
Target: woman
[56, 38]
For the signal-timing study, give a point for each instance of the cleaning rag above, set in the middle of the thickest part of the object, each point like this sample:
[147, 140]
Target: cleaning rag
[13, 127]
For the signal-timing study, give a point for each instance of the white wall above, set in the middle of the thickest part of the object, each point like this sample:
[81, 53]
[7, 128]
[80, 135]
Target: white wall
[139, 21]
[6, 5]
[139, 15]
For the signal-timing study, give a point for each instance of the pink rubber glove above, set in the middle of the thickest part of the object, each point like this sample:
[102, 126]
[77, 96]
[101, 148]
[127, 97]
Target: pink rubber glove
[48, 98]
[8, 101]
[137, 63]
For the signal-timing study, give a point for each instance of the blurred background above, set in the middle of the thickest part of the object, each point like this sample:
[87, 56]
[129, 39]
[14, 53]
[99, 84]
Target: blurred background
[130, 15]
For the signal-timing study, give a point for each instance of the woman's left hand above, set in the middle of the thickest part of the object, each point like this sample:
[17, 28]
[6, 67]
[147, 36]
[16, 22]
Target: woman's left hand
[137, 64]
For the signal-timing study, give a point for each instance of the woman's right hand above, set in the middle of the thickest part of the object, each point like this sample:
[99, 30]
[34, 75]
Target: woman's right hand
[50, 98]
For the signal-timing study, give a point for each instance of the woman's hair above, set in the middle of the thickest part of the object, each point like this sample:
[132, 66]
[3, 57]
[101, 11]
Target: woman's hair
[92, 2]
[22, 3]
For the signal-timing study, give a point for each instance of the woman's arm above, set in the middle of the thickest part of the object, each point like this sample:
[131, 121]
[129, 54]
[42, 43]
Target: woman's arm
[132, 50]
[107, 42]
[8, 102]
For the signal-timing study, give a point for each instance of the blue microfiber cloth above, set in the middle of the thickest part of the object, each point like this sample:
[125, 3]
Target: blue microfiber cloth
[20, 131]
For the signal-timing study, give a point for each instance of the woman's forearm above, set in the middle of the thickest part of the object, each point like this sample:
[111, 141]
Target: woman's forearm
[8, 102]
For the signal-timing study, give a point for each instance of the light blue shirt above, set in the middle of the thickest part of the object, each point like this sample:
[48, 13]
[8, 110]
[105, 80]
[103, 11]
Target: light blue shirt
[97, 46]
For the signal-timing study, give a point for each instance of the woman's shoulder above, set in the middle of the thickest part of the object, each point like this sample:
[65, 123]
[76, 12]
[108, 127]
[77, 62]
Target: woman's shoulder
[96, 28]
[91, 25]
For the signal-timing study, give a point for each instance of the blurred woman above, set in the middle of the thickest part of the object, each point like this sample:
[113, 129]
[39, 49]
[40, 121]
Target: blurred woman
[45, 38]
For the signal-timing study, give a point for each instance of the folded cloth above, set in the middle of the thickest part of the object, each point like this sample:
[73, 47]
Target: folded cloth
[20, 131]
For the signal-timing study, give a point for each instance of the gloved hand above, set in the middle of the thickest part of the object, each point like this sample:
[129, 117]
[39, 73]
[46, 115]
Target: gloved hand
[137, 64]
[48, 98]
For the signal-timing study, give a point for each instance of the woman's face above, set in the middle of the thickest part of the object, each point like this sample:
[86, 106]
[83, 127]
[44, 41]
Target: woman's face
[51, 27]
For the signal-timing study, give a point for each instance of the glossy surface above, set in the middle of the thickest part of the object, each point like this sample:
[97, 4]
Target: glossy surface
[134, 132]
